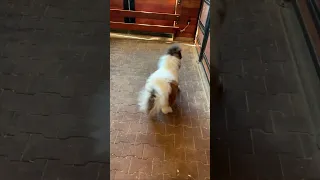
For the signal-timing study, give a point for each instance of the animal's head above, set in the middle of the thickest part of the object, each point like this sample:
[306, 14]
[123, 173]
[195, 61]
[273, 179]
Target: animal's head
[175, 50]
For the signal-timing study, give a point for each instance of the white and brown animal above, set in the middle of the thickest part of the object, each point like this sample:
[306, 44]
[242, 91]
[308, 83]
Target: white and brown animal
[162, 87]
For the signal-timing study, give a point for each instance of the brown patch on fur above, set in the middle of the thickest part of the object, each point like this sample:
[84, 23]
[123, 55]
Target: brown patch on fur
[172, 96]
[174, 92]
[151, 101]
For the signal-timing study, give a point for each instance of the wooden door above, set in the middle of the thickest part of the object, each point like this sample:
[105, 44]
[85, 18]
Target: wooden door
[159, 6]
[178, 17]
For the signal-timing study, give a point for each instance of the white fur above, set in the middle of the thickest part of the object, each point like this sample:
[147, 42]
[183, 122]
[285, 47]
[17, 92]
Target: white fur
[159, 81]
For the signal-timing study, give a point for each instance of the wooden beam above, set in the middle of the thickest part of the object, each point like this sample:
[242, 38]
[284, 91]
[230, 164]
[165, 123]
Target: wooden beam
[143, 14]
[143, 27]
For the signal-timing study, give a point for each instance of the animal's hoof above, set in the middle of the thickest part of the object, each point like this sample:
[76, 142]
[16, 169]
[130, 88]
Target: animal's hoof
[166, 110]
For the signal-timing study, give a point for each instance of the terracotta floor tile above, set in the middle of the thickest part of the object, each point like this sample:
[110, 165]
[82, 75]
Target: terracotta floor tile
[140, 165]
[119, 175]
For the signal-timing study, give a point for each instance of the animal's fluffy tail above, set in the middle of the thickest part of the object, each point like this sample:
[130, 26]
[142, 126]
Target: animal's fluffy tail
[155, 106]
[143, 100]
[147, 103]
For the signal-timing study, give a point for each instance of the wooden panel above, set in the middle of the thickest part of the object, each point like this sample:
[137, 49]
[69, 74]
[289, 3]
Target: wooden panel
[143, 27]
[143, 14]
[189, 9]
[167, 6]
[119, 13]
[116, 4]
[204, 13]
[190, 30]
[207, 50]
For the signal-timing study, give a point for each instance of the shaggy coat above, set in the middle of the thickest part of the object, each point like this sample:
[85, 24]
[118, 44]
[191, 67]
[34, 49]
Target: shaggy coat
[162, 87]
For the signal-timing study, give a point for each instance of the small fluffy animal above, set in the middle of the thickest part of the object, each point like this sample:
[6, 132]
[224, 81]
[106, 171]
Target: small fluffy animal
[162, 86]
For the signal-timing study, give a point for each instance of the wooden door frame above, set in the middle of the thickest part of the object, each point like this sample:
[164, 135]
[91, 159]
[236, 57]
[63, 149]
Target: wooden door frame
[309, 21]
[205, 37]
[205, 29]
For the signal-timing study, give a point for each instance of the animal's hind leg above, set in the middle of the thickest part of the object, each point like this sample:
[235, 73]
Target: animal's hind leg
[164, 102]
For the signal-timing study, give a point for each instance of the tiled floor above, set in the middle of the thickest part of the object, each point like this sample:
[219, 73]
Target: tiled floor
[265, 131]
[53, 90]
[172, 147]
